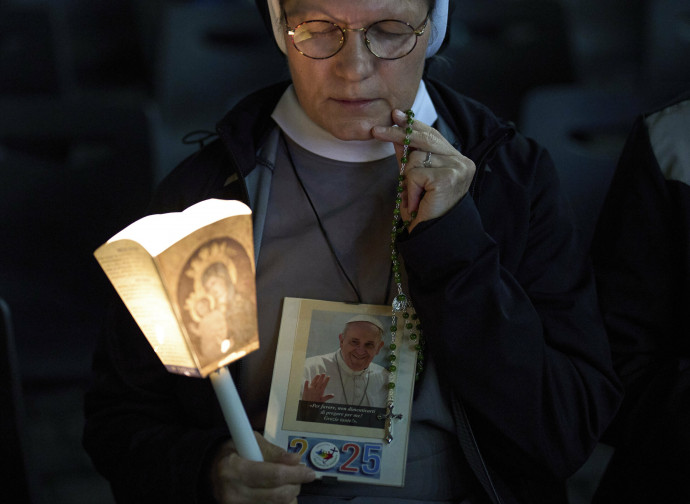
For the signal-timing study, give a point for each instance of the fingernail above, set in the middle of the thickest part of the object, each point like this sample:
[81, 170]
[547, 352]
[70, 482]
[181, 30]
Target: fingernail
[399, 114]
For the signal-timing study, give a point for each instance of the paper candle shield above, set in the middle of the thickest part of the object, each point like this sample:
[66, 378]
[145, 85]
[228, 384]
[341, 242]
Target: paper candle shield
[188, 279]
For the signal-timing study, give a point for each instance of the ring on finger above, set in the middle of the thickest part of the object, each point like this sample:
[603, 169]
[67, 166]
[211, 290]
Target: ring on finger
[427, 160]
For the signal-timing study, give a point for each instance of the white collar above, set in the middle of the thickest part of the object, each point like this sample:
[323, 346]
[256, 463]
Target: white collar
[293, 120]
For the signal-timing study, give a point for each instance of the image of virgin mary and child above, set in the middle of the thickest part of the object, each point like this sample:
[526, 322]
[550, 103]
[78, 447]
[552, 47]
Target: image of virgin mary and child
[220, 316]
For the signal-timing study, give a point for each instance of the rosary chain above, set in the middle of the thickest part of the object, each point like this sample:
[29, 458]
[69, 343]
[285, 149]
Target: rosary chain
[402, 305]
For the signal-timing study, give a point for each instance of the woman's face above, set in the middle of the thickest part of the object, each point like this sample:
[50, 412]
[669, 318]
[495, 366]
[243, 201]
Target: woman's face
[353, 91]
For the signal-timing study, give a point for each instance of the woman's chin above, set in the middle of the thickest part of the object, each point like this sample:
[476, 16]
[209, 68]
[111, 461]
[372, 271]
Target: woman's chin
[354, 131]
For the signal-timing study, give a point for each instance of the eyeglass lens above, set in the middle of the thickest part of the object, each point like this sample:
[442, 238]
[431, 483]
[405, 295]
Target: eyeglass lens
[385, 39]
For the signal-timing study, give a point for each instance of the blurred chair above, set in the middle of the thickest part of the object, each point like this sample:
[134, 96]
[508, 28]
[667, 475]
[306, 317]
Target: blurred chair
[27, 54]
[666, 65]
[584, 130]
[72, 173]
[208, 57]
[211, 55]
[66, 47]
[500, 49]
[16, 477]
[97, 46]
[606, 38]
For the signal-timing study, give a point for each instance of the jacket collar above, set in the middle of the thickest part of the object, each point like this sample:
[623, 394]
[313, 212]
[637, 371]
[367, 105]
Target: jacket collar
[244, 129]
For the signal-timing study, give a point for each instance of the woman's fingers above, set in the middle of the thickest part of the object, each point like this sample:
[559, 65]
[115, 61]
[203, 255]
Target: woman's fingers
[437, 175]
[277, 479]
[422, 137]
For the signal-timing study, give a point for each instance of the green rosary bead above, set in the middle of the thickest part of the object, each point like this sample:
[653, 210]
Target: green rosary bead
[402, 302]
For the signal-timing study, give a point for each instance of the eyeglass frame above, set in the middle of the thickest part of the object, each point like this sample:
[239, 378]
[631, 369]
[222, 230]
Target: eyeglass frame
[417, 32]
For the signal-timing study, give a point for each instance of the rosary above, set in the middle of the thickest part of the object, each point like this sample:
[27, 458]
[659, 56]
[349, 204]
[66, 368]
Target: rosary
[402, 305]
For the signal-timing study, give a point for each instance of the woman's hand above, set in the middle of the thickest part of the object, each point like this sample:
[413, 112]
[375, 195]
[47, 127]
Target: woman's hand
[276, 480]
[432, 189]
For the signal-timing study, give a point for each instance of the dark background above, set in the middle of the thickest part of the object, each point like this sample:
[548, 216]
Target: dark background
[96, 96]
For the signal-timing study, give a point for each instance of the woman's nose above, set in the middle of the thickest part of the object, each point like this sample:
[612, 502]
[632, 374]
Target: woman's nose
[355, 61]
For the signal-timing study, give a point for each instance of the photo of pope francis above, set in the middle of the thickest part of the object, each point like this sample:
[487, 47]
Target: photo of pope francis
[348, 375]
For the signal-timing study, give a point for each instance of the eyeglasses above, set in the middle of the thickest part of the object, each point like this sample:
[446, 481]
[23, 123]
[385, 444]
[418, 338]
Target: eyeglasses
[388, 39]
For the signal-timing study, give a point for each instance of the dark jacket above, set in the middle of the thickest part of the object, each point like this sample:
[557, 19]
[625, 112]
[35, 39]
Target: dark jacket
[508, 310]
[641, 253]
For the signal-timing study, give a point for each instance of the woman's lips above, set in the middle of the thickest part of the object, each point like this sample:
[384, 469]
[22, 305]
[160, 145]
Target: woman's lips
[355, 103]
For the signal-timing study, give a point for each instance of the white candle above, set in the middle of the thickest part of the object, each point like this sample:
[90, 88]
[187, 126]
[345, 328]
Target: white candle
[235, 415]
